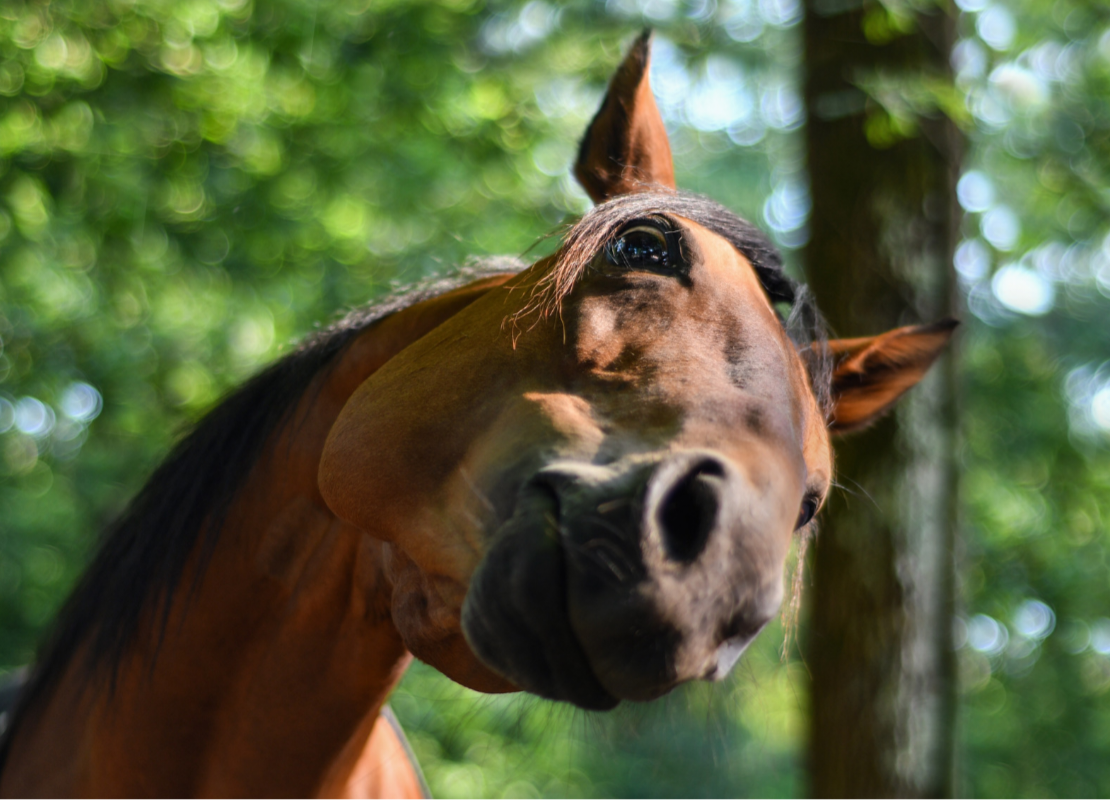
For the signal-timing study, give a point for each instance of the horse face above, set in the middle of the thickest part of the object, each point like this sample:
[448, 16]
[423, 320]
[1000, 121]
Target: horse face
[679, 446]
[597, 505]
[600, 510]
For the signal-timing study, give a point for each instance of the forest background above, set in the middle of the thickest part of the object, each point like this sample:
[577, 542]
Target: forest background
[189, 186]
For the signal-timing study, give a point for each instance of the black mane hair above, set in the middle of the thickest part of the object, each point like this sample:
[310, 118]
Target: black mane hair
[142, 556]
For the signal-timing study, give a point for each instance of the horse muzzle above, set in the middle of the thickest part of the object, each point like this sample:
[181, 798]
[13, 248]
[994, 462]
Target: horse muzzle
[622, 581]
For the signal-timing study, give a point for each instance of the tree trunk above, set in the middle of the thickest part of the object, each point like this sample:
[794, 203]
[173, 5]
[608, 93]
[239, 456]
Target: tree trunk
[884, 222]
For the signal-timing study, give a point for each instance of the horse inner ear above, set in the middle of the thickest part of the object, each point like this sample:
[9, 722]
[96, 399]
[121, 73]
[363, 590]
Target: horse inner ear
[625, 149]
[872, 373]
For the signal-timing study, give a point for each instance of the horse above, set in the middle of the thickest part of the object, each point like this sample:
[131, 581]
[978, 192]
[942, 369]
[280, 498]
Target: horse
[579, 478]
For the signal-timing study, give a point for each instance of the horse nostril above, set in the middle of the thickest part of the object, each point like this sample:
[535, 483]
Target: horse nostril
[689, 509]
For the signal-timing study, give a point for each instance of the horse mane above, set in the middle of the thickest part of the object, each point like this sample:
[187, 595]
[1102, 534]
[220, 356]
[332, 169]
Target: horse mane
[139, 564]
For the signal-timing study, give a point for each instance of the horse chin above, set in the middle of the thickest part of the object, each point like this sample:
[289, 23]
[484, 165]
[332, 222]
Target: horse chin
[515, 615]
[429, 625]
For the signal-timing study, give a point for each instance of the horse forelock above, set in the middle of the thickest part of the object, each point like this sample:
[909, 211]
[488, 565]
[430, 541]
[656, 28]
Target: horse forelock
[585, 238]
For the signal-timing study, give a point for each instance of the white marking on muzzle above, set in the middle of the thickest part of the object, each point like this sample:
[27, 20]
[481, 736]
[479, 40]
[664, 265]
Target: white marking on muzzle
[728, 653]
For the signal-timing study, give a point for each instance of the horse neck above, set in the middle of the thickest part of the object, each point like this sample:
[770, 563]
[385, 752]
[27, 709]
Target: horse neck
[271, 672]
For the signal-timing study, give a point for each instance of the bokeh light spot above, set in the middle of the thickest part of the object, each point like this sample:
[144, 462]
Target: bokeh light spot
[1023, 290]
[33, 417]
[996, 27]
[1100, 636]
[972, 260]
[986, 635]
[1034, 619]
[975, 191]
[1001, 227]
[81, 402]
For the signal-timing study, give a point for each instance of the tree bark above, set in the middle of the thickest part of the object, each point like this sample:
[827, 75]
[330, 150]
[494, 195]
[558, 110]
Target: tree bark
[882, 233]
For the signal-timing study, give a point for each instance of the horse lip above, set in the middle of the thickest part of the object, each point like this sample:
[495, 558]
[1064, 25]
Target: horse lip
[516, 618]
[556, 517]
[729, 652]
[624, 650]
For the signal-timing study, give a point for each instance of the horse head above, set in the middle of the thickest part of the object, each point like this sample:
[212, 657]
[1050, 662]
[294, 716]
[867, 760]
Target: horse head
[588, 480]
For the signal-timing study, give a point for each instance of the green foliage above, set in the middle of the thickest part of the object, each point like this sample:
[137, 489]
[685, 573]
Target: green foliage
[736, 738]
[1035, 267]
[187, 187]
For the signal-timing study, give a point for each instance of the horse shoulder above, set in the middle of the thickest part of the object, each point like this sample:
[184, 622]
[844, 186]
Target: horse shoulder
[377, 762]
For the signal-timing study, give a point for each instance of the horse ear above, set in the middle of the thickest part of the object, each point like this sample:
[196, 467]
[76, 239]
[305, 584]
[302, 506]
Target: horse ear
[872, 373]
[625, 149]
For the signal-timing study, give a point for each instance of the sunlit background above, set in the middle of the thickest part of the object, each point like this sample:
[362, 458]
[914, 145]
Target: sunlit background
[188, 186]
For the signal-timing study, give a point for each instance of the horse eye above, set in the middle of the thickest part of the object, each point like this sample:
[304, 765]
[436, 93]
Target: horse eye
[639, 247]
[809, 509]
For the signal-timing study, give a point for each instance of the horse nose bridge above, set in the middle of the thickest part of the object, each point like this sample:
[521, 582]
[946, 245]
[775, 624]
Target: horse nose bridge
[674, 499]
[611, 491]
